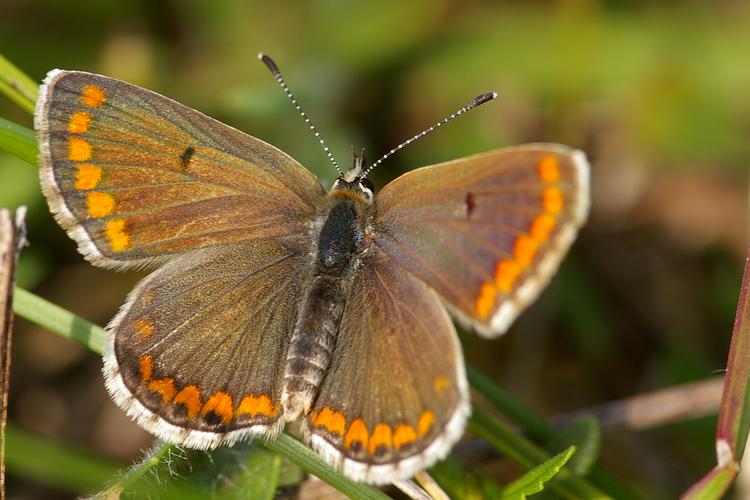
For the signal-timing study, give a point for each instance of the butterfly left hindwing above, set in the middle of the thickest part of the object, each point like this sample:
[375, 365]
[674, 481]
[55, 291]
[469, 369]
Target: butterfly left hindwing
[197, 352]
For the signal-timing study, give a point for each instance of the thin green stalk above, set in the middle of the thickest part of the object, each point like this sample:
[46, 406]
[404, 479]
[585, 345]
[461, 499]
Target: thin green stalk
[296, 451]
[58, 320]
[18, 140]
[18, 86]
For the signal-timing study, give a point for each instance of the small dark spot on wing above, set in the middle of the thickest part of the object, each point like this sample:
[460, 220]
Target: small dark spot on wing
[470, 204]
[186, 156]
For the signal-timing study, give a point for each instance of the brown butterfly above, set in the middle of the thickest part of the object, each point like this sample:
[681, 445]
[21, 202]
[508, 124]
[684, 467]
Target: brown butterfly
[278, 300]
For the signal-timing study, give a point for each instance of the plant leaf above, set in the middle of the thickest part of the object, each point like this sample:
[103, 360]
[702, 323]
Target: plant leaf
[533, 481]
[586, 435]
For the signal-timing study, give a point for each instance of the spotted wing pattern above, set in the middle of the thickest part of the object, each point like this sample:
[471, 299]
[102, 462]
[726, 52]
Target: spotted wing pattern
[486, 232]
[134, 176]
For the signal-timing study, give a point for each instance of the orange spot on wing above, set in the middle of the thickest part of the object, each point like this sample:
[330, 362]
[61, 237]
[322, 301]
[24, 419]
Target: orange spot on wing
[524, 250]
[357, 433]
[93, 96]
[381, 436]
[541, 227]
[190, 396]
[332, 421]
[425, 423]
[78, 149]
[116, 234]
[79, 122]
[441, 383]
[144, 328]
[165, 387]
[549, 170]
[506, 273]
[100, 204]
[87, 176]
[403, 435]
[258, 405]
[486, 300]
[221, 404]
[552, 200]
[146, 367]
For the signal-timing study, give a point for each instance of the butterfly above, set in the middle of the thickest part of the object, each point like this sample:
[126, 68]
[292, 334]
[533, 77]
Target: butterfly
[279, 301]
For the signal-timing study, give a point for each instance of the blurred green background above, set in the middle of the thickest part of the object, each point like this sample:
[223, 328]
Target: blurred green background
[656, 93]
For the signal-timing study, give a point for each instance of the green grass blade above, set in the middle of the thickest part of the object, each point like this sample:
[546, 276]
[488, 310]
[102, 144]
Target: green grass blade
[734, 412]
[55, 464]
[538, 429]
[533, 481]
[19, 141]
[524, 452]
[58, 320]
[293, 449]
[19, 87]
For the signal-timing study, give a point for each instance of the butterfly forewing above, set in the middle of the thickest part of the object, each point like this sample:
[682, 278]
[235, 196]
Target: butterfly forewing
[197, 352]
[394, 399]
[488, 231]
[135, 176]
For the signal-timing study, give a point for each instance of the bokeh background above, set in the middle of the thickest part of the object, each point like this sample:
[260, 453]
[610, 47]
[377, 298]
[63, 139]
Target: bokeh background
[656, 93]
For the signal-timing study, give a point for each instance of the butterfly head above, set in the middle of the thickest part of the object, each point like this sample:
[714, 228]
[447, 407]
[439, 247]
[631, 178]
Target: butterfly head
[354, 183]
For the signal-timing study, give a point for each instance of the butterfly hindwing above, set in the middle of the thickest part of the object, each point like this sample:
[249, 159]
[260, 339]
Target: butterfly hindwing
[134, 176]
[197, 352]
[394, 398]
[486, 232]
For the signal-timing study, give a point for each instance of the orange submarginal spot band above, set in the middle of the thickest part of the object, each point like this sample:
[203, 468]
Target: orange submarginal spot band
[403, 435]
[524, 250]
[221, 404]
[93, 96]
[331, 420]
[87, 176]
[357, 433]
[78, 149]
[506, 273]
[549, 170]
[118, 238]
[146, 367]
[541, 227]
[381, 436]
[425, 423]
[552, 200]
[79, 122]
[165, 387]
[486, 300]
[257, 405]
[144, 328]
[100, 204]
[190, 396]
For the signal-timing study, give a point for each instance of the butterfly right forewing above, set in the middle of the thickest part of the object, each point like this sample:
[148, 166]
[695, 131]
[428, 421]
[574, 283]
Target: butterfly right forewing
[486, 232]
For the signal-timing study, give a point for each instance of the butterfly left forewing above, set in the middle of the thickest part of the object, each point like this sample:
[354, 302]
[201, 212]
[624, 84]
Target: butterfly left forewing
[394, 399]
[135, 177]
[486, 232]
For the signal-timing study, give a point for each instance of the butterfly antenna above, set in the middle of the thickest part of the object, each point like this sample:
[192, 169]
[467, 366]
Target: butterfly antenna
[477, 101]
[277, 75]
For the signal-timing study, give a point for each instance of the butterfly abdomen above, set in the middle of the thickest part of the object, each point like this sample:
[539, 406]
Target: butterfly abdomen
[314, 338]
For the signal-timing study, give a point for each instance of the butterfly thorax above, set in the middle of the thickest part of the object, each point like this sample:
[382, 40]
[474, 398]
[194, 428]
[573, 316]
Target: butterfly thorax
[339, 244]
